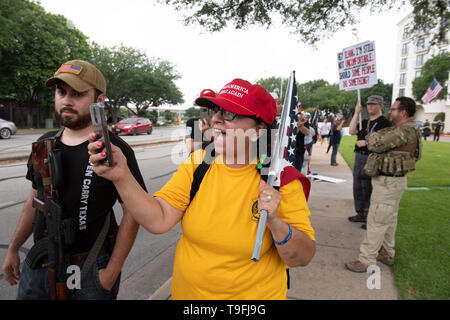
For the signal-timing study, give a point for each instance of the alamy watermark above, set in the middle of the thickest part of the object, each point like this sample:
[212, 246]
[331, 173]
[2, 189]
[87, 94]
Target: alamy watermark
[374, 280]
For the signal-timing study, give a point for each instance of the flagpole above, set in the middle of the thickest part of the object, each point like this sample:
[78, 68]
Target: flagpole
[360, 114]
[274, 165]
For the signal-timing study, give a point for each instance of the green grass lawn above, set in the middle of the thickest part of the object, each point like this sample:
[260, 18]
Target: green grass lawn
[422, 261]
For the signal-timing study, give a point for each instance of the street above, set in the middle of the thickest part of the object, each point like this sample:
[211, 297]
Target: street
[154, 252]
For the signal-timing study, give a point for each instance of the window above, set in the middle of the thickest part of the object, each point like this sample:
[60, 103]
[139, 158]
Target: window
[401, 92]
[418, 73]
[405, 48]
[405, 33]
[421, 59]
[403, 64]
[422, 44]
[403, 78]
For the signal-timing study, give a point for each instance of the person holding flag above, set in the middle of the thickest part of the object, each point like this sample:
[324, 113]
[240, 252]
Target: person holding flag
[219, 224]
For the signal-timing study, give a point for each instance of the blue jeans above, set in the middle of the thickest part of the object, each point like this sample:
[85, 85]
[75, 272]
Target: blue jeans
[335, 147]
[34, 284]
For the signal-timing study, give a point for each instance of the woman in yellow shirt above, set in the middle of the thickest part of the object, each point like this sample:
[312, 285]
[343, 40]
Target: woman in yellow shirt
[213, 256]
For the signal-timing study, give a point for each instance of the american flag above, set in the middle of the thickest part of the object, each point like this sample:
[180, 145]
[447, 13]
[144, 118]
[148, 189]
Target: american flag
[432, 91]
[70, 68]
[287, 152]
[288, 142]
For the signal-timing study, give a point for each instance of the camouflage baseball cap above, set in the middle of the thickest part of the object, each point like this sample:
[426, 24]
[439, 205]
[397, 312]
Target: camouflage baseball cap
[375, 100]
[80, 75]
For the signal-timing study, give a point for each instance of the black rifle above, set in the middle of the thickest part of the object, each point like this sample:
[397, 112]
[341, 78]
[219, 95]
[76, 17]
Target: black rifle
[58, 231]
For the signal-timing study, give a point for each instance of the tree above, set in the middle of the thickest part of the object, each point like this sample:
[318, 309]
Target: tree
[132, 78]
[380, 89]
[33, 44]
[307, 90]
[436, 67]
[312, 20]
[153, 116]
[169, 115]
[328, 98]
[192, 112]
[274, 85]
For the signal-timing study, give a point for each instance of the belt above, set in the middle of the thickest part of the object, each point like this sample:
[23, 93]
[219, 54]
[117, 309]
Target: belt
[80, 257]
[365, 153]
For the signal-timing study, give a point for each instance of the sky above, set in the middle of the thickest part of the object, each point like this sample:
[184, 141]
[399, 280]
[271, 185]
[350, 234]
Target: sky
[210, 60]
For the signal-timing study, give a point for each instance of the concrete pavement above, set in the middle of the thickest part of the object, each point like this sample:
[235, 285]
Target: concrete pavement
[337, 239]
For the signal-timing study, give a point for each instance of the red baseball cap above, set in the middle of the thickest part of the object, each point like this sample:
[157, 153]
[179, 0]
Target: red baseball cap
[243, 98]
[207, 93]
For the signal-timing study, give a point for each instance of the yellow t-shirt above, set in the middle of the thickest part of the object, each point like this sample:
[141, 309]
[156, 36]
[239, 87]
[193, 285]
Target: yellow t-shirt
[213, 256]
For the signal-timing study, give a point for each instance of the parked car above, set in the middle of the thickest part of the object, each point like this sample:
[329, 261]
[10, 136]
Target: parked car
[133, 126]
[7, 129]
[163, 122]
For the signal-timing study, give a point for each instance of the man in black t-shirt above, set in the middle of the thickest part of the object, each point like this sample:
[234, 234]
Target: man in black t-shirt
[197, 134]
[86, 198]
[302, 131]
[362, 187]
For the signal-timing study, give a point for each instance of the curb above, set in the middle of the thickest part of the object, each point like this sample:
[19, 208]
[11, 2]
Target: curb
[163, 292]
[23, 155]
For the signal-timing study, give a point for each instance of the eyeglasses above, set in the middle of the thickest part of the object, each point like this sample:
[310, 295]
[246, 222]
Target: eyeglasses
[226, 115]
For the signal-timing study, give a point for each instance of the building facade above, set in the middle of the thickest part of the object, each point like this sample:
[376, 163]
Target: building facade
[411, 54]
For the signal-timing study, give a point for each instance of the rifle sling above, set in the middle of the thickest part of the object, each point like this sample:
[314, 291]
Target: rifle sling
[98, 244]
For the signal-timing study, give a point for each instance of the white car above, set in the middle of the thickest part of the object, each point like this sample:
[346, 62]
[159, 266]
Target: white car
[7, 129]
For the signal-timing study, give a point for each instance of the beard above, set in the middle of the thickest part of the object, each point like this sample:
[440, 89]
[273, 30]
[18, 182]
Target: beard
[75, 121]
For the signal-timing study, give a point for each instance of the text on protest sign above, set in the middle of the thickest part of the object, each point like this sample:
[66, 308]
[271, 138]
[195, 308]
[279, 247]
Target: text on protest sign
[357, 66]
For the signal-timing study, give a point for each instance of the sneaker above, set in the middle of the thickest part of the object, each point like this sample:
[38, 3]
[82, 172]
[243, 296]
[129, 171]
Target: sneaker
[356, 266]
[364, 226]
[334, 164]
[384, 257]
[357, 218]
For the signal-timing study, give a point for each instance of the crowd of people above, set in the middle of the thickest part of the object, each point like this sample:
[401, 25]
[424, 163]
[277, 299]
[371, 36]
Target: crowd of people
[217, 196]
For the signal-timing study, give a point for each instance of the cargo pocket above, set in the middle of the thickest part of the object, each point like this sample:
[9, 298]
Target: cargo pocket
[384, 214]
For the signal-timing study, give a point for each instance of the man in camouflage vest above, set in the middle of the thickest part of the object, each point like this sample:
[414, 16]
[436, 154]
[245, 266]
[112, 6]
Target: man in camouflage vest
[394, 152]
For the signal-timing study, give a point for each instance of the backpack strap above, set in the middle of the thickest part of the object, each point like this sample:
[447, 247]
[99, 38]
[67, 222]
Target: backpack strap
[199, 173]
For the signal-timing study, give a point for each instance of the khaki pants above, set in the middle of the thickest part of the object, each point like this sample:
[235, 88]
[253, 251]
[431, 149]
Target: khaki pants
[382, 219]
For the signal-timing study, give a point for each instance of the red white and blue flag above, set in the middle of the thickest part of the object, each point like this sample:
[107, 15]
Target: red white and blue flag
[70, 68]
[285, 171]
[432, 92]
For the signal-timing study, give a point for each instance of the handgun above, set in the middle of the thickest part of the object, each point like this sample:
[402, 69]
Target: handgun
[101, 129]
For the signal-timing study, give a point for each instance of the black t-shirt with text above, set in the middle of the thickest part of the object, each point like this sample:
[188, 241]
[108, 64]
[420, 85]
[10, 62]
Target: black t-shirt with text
[370, 126]
[86, 197]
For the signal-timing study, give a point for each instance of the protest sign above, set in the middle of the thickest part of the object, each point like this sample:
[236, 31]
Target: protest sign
[357, 66]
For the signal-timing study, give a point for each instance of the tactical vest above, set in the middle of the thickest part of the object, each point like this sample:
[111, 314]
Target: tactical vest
[397, 161]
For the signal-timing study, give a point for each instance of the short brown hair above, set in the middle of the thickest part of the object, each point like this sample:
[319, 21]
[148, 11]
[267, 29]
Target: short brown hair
[407, 104]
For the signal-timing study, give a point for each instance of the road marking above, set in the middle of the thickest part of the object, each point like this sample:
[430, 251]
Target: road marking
[10, 204]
